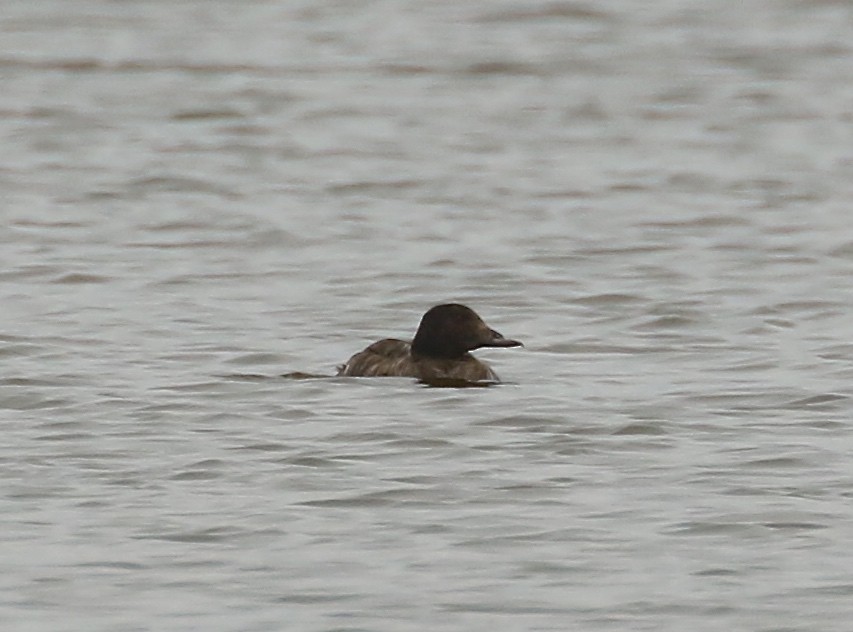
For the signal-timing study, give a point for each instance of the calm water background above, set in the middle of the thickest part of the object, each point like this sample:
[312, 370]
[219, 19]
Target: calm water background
[200, 197]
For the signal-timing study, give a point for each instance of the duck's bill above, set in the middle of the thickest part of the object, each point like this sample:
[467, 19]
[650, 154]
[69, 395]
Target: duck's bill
[497, 340]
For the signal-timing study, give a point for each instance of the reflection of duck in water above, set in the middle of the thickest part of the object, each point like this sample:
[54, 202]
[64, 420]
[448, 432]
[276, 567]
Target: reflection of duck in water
[439, 351]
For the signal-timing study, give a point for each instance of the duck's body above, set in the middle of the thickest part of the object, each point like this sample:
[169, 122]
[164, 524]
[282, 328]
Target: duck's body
[394, 358]
[439, 351]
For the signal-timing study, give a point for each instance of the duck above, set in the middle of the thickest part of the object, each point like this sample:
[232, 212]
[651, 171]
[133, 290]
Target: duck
[438, 352]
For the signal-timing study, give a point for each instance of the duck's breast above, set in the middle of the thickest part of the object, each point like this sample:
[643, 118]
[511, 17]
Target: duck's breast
[466, 369]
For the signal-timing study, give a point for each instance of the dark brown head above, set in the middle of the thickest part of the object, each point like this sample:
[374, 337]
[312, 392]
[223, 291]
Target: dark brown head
[452, 330]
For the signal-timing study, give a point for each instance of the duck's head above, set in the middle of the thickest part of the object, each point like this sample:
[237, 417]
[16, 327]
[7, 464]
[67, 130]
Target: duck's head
[451, 330]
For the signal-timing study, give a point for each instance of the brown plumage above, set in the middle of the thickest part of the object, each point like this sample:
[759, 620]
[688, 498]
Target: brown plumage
[439, 350]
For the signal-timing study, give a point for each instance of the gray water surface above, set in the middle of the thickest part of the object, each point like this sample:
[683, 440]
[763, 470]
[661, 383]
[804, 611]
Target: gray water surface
[201, 198]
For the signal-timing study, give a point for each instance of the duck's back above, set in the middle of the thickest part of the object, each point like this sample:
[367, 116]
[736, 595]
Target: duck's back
[386, 358]
[393, 358]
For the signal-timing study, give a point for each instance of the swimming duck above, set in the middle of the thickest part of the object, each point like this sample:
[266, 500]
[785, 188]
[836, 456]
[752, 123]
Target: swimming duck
[439, 350]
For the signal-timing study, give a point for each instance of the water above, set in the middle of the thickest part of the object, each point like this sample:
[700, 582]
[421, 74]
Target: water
[199, 198]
